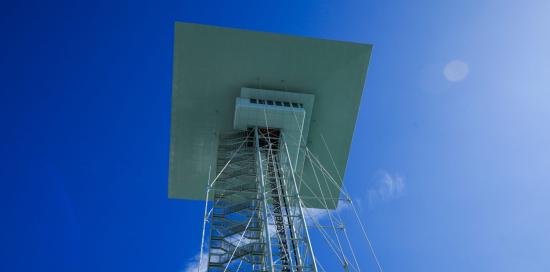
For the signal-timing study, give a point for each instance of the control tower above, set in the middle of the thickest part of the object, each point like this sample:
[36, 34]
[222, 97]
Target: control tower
[248, 109]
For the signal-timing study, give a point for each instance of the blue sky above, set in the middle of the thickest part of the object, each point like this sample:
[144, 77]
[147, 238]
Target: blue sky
[450, 175]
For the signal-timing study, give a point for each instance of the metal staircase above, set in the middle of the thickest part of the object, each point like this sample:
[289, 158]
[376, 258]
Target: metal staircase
[256, 220]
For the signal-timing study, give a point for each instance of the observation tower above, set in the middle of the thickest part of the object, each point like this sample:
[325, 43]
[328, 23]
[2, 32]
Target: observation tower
[253, 115]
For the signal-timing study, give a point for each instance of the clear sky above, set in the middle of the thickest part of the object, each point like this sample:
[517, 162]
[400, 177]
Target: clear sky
[450, 161]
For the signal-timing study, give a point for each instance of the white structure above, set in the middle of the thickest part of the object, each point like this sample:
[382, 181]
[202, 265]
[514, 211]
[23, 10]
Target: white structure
[248, 111]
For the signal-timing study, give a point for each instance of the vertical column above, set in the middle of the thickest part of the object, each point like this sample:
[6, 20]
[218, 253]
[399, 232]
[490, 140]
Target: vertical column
[263, 198]
[300, 209]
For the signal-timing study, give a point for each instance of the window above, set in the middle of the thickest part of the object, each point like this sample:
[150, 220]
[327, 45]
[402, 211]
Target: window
[276, 103]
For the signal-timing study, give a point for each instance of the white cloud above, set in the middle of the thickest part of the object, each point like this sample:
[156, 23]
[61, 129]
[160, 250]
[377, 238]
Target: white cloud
[456, 70]
[238, 239]
[193, 265]
[312, 214]
[387, 187]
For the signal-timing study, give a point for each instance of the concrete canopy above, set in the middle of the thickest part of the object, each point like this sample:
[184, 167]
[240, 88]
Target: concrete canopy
[212, 64]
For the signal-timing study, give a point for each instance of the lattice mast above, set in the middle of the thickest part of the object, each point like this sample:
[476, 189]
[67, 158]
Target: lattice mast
[257, 223]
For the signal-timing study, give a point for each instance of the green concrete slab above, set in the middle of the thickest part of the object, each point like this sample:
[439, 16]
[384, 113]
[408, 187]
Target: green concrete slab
[212, 64]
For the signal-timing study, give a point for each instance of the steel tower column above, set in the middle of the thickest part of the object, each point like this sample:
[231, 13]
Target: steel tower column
[263, 197]
[257, 221]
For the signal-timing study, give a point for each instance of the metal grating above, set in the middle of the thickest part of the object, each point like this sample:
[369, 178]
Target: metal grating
[256, 222]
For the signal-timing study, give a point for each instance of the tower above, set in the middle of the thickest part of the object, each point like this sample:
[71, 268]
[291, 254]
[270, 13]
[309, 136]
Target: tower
[248, 109]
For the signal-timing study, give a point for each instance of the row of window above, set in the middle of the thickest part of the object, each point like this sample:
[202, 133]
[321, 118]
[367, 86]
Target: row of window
[276, 103]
